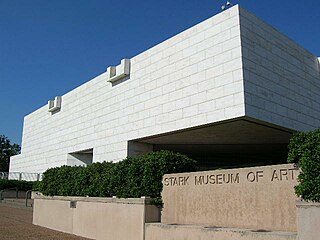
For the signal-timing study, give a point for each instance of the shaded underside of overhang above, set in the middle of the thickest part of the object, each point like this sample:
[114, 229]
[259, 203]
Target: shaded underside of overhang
[240, 142]
[236, 131]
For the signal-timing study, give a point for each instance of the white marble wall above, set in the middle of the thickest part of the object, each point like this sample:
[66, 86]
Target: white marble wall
[282, 80]
[194, 78]
[231, 65]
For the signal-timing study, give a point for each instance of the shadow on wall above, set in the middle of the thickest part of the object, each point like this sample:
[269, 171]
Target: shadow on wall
[80, 158]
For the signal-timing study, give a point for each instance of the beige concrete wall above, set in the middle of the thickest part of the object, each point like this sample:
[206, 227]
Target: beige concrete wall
[99, 220]
[96, 218]
[53, 214]
[192, 232]
[308, 215]
[256, 198]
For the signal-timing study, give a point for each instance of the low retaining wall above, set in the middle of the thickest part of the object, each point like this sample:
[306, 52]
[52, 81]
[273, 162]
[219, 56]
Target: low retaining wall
[97, 218]
[253, 198]
[159, 231]
[256, 203]
[308, 214]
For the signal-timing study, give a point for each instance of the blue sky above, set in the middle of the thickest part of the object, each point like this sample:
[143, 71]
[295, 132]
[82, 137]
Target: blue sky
[48, 48]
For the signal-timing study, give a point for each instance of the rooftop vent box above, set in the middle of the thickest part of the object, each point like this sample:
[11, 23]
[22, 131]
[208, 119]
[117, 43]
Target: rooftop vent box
[55, 104]
[118, 72]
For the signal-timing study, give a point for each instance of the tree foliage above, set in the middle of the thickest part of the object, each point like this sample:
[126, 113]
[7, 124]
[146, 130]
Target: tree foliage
[304, 149]
[7, 149]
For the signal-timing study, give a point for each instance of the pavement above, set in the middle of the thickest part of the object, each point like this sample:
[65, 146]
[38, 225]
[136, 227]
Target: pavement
[16, 224]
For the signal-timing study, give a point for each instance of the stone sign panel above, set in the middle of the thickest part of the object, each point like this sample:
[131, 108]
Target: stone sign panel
[257, 198]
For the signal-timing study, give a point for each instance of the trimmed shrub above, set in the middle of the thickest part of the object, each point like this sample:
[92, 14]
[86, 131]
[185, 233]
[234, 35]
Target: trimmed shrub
[90, 181]
[304, 149]
[21, 185]
[142, 175]
[133, 177]
[97, 180]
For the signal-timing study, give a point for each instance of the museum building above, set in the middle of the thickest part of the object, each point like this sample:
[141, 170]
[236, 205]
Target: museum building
[228, 92]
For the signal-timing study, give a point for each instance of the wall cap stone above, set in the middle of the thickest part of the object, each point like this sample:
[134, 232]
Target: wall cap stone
[307, 204]
[140, 201]
[242, 231]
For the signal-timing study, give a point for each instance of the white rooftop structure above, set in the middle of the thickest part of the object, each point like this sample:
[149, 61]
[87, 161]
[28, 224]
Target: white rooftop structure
[231, 88]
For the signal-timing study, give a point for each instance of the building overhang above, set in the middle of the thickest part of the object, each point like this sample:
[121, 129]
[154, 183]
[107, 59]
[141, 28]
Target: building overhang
[237, 131]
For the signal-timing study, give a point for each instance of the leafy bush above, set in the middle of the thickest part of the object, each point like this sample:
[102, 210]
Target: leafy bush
[304, 149]
[142, 175]
[21, 185]
[132, 177]
[77, 180]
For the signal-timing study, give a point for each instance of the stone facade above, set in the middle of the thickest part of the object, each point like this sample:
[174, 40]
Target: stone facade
[282, 80]
[230, 66]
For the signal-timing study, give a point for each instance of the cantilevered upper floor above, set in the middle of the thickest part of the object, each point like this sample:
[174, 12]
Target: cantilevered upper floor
[230, 80]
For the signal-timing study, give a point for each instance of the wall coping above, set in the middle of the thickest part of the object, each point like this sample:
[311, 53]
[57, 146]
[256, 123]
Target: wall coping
[293, 165]
[305, 204]
[140, 201]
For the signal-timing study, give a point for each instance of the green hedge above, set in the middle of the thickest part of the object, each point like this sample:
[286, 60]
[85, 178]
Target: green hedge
[77, 181]
[132, 177]
[21, 185]
[304, 149]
